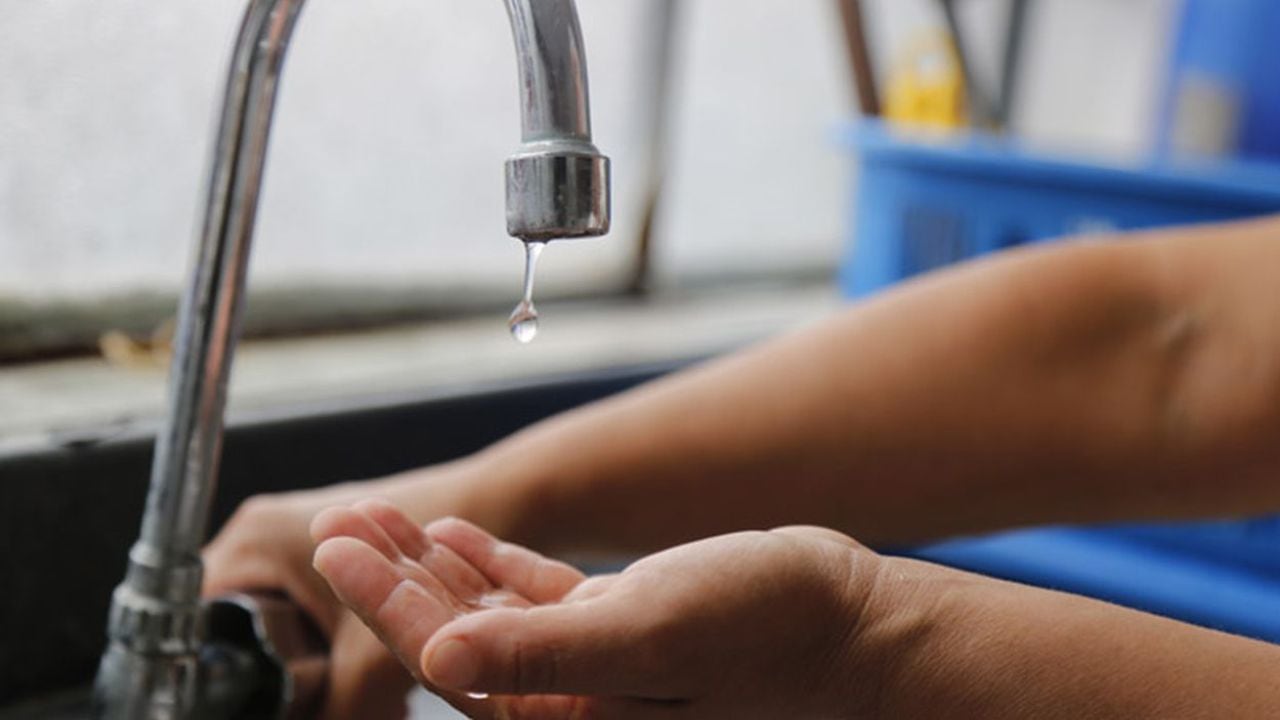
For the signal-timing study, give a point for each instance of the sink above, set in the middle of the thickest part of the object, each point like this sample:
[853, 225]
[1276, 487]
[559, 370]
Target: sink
[68, 513]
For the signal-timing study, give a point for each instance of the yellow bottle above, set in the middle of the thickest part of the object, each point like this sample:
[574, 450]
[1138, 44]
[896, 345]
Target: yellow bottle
[926, 86]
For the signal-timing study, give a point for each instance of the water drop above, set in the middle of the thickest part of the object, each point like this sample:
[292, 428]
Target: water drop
[478, 695]
[523, 322]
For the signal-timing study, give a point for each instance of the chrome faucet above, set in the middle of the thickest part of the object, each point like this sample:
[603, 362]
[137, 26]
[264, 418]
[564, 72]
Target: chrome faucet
[163, 659]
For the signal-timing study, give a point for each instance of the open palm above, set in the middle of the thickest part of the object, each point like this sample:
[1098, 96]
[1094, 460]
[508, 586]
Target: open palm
[746, 625]
[407, 582]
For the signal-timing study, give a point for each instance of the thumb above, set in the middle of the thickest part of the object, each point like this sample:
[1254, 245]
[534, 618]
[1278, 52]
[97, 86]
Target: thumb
[593, 647]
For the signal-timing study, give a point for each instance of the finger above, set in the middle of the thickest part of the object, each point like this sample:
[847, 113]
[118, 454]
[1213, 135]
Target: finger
[405, 532]
[400, 611]
[224, 574]
[302, 585]
[595, 647]
[641, 709]
[558, 707]
[814, 532]
[365, 679]
[461, 577]
[593, 586]
[337, 522]
[538, 578]
[396, 617]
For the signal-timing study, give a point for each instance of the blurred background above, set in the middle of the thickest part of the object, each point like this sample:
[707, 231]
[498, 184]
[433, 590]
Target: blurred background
[383, 204]
[394, 120]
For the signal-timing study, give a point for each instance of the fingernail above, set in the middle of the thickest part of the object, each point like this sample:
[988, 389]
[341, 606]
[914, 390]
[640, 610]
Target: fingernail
[453, 665]
[318, 559]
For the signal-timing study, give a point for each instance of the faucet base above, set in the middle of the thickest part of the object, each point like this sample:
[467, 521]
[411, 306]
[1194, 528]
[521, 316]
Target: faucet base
[136, 686]
[260, 658]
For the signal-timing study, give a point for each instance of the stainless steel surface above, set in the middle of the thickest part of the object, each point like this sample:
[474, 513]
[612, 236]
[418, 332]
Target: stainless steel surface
[557, 183]
[557, 190]
[262, 658]
[558, 186]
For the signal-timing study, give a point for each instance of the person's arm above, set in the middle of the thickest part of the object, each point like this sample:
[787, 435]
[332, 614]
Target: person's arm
[1138, 377]
[983, 648]
[793, 623]
[1135, 377]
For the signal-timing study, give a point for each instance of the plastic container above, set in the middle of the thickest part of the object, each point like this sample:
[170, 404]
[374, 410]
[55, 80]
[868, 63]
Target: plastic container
[921, 205]
[1223, 91]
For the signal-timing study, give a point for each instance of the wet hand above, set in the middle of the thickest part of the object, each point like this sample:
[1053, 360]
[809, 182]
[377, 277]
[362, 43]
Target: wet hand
[267, 546]
[406, 583]
[749, 625]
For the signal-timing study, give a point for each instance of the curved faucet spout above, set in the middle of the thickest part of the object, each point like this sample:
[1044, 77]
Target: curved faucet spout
[549, 52]
[557, 186]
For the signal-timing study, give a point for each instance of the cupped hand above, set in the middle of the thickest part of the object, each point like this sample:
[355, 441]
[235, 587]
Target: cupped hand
[267, 546]
[749, 625]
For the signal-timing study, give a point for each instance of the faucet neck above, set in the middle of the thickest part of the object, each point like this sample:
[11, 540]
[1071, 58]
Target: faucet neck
[553, 70]
[557, 186]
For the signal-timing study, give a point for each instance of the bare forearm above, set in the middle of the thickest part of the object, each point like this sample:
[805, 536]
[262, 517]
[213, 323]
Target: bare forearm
[988, 649]
[1080, 383]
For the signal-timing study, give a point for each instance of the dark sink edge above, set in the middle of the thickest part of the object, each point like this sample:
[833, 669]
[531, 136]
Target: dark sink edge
[62, 705]
[69, 511]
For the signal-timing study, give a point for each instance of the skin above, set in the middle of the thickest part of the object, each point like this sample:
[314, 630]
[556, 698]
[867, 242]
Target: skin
[465, 612]
[797, 622]
[1135, 377]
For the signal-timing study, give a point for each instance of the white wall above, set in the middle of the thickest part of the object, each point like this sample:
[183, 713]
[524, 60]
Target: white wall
[396, 115]
[1092, 69]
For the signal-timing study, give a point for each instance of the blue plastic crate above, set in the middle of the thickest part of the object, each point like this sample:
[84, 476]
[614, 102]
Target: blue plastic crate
[925, 204]
[1230, 45]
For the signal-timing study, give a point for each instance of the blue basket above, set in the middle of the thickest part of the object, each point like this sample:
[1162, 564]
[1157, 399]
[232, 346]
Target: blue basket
[1230, 45]
[922, 205]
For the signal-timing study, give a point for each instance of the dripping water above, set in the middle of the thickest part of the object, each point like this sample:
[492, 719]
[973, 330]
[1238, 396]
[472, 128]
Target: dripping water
[523, 322]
